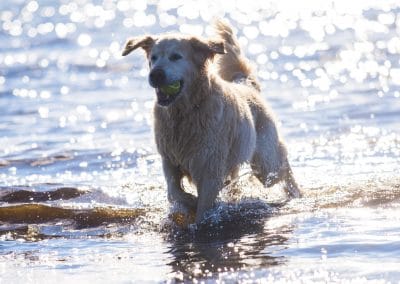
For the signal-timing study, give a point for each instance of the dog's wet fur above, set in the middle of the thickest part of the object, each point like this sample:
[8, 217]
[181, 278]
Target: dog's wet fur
[215, 122]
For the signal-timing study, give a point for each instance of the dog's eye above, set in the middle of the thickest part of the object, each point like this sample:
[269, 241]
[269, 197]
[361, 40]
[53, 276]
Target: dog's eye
[175, 57]
[153, 58]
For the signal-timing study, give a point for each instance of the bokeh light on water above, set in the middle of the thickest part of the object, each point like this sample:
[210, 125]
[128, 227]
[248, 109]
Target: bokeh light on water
[74, 113]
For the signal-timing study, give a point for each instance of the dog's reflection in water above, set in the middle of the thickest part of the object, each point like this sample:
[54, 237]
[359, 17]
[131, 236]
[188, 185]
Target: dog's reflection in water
[232, 239]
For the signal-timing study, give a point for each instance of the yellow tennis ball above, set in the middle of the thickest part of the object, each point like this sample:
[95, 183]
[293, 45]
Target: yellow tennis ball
[171, 89]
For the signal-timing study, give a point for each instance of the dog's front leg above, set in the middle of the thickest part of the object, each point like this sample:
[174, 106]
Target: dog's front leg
[207, 191]
[173, 176]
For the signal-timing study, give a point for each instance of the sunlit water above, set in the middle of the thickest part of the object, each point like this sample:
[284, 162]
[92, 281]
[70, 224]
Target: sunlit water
[81, 187]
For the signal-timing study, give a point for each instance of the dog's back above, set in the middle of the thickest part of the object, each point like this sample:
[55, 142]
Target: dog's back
[269, 161]
[233, 66]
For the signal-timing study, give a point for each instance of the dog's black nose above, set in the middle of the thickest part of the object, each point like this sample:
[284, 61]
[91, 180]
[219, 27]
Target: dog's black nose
[157, 78]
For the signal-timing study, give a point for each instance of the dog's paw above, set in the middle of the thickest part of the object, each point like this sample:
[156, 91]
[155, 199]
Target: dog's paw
[183, 219]
[190, 202]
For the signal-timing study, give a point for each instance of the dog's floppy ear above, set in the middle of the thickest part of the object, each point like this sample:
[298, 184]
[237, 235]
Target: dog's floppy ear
[205, 49]
[208, 47]
[145, 42]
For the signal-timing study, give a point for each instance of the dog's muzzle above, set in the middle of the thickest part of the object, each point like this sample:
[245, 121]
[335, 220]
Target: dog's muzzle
[167, 91]
[157, 78]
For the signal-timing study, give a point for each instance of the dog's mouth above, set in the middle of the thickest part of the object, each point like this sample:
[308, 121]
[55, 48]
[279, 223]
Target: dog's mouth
[166, 94]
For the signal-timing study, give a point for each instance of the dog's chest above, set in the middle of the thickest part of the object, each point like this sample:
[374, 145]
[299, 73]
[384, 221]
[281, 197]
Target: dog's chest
[180, 138]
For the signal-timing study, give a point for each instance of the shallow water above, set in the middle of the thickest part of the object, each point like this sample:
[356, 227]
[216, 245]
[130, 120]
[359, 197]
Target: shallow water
[82, 195]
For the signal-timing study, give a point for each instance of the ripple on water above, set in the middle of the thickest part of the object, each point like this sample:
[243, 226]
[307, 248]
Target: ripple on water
[81, 188]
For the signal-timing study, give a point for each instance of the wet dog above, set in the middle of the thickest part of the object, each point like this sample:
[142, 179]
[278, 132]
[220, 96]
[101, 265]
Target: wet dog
[210, 117]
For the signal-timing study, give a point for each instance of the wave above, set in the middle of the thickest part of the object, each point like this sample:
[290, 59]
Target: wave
[63, 193]
[84, 218]
[239, 215]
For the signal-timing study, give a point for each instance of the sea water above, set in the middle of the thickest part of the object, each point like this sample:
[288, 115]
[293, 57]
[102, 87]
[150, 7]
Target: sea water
[82, 193]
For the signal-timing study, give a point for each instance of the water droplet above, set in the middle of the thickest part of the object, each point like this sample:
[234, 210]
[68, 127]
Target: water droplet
[83, 164]
[123, 5]
[45, 94]
[64, 90]
[84, 39]
[43, 112]
[32, 6]
[251, 32]
[61, 30]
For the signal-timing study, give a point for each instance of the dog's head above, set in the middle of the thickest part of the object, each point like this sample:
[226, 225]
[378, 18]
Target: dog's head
[175, 62]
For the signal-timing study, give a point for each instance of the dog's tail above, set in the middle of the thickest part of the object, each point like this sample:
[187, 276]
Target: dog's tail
[233, 66]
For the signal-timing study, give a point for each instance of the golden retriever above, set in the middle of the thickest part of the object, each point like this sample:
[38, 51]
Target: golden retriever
[210, 116]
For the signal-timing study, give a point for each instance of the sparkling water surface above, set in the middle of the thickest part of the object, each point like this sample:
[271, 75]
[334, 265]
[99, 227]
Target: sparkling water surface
[82, 194]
